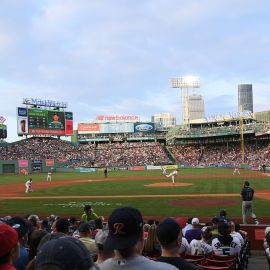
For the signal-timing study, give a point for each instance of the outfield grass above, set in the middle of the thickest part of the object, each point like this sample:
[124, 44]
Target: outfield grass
[149, 206]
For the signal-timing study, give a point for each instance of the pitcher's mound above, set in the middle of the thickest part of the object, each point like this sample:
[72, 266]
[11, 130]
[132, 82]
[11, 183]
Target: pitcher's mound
[169, 184]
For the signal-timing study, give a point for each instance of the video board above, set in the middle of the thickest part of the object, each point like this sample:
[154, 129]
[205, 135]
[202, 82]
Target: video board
[3, 131]
[44, 122]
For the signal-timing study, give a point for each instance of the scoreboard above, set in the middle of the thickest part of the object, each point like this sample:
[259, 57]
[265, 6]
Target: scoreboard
[3, 131]
[44, 121]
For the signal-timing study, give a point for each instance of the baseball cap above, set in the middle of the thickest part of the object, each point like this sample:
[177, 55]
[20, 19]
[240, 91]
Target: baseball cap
[195, 221]
[125, 227]
[168, 231]
[84, 227]
[181, 221]
[8, 239]
[20, 225]
[68, 253]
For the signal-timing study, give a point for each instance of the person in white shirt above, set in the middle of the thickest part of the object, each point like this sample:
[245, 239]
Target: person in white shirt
[236, 234]
[184, 247]
[28, 185]
[225, 244]
[202, 246]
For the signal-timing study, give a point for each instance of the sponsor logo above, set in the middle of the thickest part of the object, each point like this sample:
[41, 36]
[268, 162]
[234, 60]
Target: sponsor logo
[144, 127]
[22, 111]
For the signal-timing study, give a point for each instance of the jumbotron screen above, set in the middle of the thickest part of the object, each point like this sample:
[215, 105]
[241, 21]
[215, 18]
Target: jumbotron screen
[44, 122]
[3, 131]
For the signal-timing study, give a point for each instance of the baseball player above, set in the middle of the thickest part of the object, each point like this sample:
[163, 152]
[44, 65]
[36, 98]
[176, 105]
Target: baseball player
[236, 170]
[164, 171]
[28, 185]
[172, 175]
[247, 194]
[49, 176]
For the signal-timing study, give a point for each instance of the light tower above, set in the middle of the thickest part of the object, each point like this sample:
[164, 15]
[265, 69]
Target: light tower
[185, 84]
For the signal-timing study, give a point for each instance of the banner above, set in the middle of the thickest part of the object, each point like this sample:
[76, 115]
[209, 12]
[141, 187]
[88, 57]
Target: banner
[117, 128]
[151, 167]
[88, 128]
[82, 169]
[49, 162]
[22, 121]
[23, 171]
[144, 127]
[117, 118]
[36, 165]
[170, 167]
[23, 163]
[137, 168]
[69, 123]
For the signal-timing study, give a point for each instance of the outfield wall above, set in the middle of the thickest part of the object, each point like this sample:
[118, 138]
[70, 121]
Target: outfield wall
[42, 166]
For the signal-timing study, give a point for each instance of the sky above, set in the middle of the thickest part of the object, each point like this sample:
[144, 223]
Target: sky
[116, 57]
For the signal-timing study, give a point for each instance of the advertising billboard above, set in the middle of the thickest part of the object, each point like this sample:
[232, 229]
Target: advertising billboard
[117, 128]
[3, 131]
[117, 118]
[43, 121]
[144, 127]
[84, 128]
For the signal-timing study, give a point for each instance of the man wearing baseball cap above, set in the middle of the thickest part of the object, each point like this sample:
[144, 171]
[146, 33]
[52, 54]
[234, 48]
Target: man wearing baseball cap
[169, 236]
[126, 238]
[9, 247]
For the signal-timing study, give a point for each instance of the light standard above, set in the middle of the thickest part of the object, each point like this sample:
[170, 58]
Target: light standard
[185, 83]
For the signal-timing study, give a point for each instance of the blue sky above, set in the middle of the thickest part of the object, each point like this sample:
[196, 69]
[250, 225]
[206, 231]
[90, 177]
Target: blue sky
[116, 57]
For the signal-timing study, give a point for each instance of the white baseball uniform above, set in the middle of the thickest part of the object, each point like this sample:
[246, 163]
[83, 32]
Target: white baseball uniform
[199, 247]
[164, 171]
[172, 175]
[28, 186]
[233, 249]
[49, 176]
[236, 170]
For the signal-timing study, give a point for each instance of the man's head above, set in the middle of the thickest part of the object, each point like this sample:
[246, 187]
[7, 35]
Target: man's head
[62, 225]
[195, 222]
[20, 225]
[246, 184]
[168, 233]
[125, 228]
[85, 229]
[224, 228]
[88, 209]
[67, 253]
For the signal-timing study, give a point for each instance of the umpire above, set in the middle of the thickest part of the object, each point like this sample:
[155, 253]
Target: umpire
[247, 194]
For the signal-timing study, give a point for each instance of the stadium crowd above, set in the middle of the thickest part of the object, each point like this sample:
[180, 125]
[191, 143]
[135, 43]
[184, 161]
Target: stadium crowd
[88, 242]
[135, 153]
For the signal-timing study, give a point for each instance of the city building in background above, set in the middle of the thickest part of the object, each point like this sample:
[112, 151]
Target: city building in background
[245, 97]
[163, 120]
[262, 117]
[196, 107]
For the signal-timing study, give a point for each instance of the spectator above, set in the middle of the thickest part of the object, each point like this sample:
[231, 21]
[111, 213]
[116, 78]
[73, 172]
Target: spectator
[85, 237]
[202, 246]
[88, 214]
[9, 247]
[62, 226]
[22, 228]
[126, 238]
[187, 227]
[102, 252]
[169, 236]
[65, 253]
[34, 241]
[195, 232]
[225, 244]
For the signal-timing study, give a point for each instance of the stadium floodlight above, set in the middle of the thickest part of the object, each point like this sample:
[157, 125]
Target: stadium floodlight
[185, 83]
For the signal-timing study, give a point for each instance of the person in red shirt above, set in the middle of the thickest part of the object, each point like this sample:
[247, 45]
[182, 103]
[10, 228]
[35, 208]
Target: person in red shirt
[9, 247]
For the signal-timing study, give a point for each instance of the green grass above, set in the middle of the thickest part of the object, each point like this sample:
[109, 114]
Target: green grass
[148, 206]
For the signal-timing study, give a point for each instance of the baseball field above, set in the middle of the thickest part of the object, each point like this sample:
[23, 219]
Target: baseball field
[197, 192]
